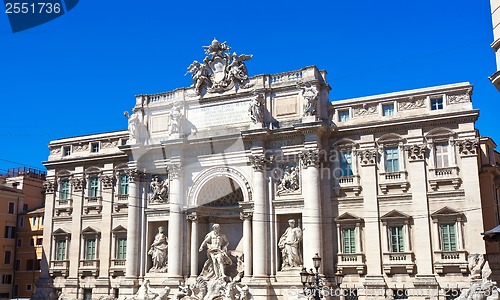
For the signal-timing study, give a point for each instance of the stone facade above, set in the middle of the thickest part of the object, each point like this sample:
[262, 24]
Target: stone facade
[384, 188]
[495, 45]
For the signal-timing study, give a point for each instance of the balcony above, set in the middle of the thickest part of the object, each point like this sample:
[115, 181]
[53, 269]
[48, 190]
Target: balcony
[444, 176]
[59, 268]
[121, 202]
[64, 207]
[450, 261]
[89, 267]
[398, 262]
[117, 267]
[394, 180]
[92, 204]
[351, 261]
[348, 184]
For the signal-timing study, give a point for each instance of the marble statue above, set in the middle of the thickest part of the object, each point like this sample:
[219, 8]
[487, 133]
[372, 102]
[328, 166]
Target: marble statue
[310, 94]
[146, 293]
[220, 70]
[256, 109]
[481, 287]
[159, 190]
[174, 122]
[289, 243]
[218, 259]
[290, 180]
[158, 252]
[476, 262]
[138, 131]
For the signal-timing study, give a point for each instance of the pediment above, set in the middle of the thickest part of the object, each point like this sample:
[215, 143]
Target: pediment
[446, 212]
[61, 231]
[347, 217]
[395, 215]
[119, 228]
[90, 230]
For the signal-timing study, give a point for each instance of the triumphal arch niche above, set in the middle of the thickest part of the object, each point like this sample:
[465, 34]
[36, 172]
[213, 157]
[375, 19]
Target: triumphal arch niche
[224, 178]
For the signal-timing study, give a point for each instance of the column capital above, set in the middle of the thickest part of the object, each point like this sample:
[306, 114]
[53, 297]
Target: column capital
[107, 181]
[246, 215]
[49, 186]
[136, 175]
[467, 147]
[259, 162]
[193, 217]
[310, 157]
[416, 152]
[368, 156]
[174, 170]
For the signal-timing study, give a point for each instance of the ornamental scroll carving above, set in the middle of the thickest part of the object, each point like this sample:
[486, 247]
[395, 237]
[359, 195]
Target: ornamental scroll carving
[246, 215]
[365, 110]
[416, 152]
[368, 156]
[310, 157]
[107, 181]
[468, 146]
[174, 170]
[49, 186]
[411, 104]
[135, 175]
[220, 70]
[78, 184]
[259, 162]
[460, 98]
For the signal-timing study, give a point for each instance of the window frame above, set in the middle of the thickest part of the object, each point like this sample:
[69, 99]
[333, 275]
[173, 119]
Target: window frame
[95, 147]
[11, 208]
[346, 164]
[346, 112]
[394, 169]
[393, 109]
[438, 105]
[123, 188]
[66, 150]
[94, 186]
[65, 189]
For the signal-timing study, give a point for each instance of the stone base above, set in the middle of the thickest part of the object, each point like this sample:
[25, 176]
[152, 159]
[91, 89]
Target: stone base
[129, 287]
[256, 126]
[309, 119]
[291, 275]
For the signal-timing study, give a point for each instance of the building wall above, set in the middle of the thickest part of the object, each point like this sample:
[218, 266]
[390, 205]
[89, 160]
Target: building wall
[495, 45]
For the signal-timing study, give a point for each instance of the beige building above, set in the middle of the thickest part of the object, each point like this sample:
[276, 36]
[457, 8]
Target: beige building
[384, 188]
[495, 16]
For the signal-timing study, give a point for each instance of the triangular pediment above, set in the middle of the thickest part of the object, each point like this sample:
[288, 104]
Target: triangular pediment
[61, 231]
[348, 218]
[446, 212]
[395, 215]
[119, 228]
[90, 230]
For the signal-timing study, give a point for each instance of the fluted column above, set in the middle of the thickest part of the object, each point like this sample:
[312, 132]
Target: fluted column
[133, 225]
[193, 218]
[247, 242]
[311, 215]
[259, 220]
[175, 222]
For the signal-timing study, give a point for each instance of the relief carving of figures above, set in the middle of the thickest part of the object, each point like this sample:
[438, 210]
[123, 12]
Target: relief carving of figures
[216, 243]
[364, 110]
[159, 190]
[468, 146]
[310, 94]
[220, 69]
[146, 293]
[158, 252]
[416, 152]
[290, 180]
[411, 104]
[289, 243]
[174, 121]
[81, 147]
[460, 98]
[256, 108]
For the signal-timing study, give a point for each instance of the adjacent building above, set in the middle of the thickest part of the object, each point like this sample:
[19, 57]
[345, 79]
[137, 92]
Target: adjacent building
[386, 189]
[495, 16]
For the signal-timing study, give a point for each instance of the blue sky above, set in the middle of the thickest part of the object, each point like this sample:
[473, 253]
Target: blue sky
[78, 73]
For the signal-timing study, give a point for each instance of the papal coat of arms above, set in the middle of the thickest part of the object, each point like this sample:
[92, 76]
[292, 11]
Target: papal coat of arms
[220, 70]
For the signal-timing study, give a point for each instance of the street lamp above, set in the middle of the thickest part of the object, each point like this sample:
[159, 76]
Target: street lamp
[311, 281]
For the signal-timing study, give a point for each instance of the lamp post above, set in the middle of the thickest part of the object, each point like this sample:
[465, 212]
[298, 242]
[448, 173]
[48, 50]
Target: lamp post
[311, 281]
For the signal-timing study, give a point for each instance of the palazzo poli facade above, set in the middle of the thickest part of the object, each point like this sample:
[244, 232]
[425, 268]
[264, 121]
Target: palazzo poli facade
[201, 188]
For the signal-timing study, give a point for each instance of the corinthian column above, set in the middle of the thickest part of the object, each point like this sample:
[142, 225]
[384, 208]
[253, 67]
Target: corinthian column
[311, 215]
[133, 224]
[193, 217]
[175, 222]
[247, 242]
[259, 221]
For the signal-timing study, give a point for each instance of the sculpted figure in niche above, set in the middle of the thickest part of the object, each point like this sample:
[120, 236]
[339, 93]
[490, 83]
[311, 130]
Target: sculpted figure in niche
[218, 259]
[310, 94]
[256, 109]
[133, 125]
[158, 252]
[289, 244]
[290, 180]
[159, 190]
[174, 123]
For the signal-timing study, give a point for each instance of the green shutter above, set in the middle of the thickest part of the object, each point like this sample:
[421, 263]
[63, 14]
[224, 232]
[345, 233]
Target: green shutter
[397, 239]
[448, 237]
[122, 248]
[349, 236]
[90, 249]
[60, 250]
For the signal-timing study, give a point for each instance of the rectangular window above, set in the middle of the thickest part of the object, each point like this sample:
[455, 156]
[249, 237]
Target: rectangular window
[388, 110]
[437, 103]
[11, 208]
[34, 221]
[124, 184]
[448, 237]
[25, 207]
[21, 222]
[6, 257]
[39, 241]
[17, 265]
[41, 220]
[344, 115]
[349, 240]
[396, 239]
[10, 232]
[66, 150]
[16, 290]
[90, 249]
[7, 279]
[28, 287]
[442, 160]
[64, 193]
[94, 187]
[30, 264]
[346, 163]
[87, 294]
[32, 242]
[94, 147]
[122, 248]
[19, 242]
[60, 250]
[391, 159]
[38, 264]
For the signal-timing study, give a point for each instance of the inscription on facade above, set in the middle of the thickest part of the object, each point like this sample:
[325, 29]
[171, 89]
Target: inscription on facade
[218, 115]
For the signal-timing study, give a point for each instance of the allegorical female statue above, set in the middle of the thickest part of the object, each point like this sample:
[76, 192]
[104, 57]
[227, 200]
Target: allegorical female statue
[289, 244]
[158, 252]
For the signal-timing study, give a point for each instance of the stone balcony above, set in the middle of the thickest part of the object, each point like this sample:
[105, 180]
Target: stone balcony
[88, 267]
[394, 180]
[59, 268]
[351, 261]
[450, 261]
[117, 267]
[398, 262]
[121, 202]
[439, 177]
[63, 207]
[348, 184]
[92, 204]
